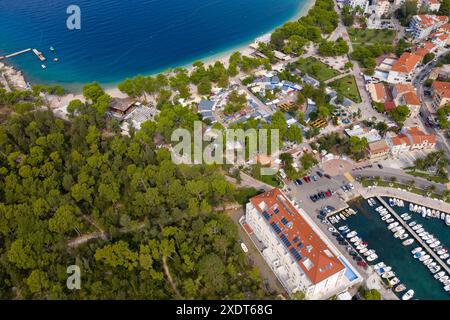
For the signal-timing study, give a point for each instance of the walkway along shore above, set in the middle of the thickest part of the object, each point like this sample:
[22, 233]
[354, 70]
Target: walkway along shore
[413, 234]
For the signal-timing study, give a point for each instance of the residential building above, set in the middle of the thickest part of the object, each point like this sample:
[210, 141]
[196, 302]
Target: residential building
[419, 140]
[377, 92]
[357, 131]
[403, 68]
[398, 144]
[423, 25]
[440, 92]
[382, 7]
[378, 150]
[297, 251]
[432, 5]
[363, 4]
[405, 94]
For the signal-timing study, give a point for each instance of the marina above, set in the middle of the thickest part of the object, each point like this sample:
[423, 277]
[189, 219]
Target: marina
[409, 276]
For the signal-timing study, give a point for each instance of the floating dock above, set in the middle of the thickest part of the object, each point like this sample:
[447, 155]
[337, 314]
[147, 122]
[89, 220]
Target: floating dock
[39, 55]
[413, 234]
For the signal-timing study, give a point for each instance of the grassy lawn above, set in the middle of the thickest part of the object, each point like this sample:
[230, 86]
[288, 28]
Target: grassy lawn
[369, 182]
[317, 69]
[428, 177]
[371, 36]
[347, 87]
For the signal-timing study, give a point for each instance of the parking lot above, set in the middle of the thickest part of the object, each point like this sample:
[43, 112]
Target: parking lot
[301, 194]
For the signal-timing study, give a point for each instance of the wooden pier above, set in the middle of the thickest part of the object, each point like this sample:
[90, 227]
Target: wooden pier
[413, 234]
[35, 51]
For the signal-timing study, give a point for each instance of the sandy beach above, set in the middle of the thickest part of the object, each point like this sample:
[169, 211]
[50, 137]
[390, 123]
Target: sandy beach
[13, 77]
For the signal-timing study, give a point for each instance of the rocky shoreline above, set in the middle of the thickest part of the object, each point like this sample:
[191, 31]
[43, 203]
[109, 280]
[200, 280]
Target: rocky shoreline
[11, 78]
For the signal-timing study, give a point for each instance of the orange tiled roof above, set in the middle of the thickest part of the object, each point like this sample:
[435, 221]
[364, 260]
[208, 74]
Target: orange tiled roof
[442, 88]
[317, 261]
[400, 140]
[428, 20]
[403, 87]
[411, 98]
[445, 28]
[380, 91]
[418, 136]
[378, 146]
[406, 63]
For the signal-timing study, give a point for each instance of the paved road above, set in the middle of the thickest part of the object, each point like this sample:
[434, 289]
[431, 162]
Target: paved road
[402, 177]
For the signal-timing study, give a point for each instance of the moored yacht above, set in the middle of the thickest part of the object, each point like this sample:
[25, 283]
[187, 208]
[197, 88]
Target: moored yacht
[408, 242]
[408, 295]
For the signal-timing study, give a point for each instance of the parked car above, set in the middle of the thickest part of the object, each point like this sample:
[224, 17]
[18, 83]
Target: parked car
[326, 175]
[380, 166]
[320, 174]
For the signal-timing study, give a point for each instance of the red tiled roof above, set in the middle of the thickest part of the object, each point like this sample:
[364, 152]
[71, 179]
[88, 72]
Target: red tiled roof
[428, 20]
[400, 140]
[317, 260]
[442, 88]
[411, 98]
[406, 63]
[403, 87]
[380, 91]
[389, 106]
[418, 136]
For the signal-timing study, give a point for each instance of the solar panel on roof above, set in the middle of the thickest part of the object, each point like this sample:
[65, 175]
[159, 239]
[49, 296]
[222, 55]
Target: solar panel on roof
[284, 221]
[275, 227]
[296, 239]
[276, 211]
[285, 240]
[266, 215]
[295, 253]
[300, 245]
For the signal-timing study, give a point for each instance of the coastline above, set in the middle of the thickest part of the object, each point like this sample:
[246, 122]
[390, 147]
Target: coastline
[75, 89]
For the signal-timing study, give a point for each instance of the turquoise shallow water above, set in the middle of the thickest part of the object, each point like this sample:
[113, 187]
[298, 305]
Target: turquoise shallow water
[410, 271]
[121, 38]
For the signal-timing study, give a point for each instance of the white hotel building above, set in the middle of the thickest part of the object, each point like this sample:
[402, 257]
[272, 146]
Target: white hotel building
[298, 252]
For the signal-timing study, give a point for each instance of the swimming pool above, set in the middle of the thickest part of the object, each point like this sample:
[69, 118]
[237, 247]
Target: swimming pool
[349, 274]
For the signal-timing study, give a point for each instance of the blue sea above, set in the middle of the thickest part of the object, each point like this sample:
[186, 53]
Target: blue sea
[123, 38]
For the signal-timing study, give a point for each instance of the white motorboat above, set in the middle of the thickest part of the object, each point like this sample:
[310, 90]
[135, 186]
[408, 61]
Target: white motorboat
[448, 262]
[394, 281]
[443, 279]
[369, 252]
[408, 242]
[394, 230]
[444, 256]
[403, 236]
[342, 216]
[428, 261]
[408, 295]
[384, 218]
[388, 275]
[424, 257]
[435, 244]
[391, 202]
[435, 269]
[393, 225]
[447, 219]
[355, 239]
[401, 287]
[383, 270]
[372, 257]
[439, 275]
[419, 254]
[415, 208]
[447, 288]
[442, 215]
[351, 234]
[411, 207]
[417, 227]
[420, 230]
[361, 246]
[442, 251]
[431, 240]
[363, 250]
[407, 218]
[404, 215]
[343, 228]
[390, 220]
[412, 224]
[369, 201]
[399, 233]
[415, 250]
[380, 265]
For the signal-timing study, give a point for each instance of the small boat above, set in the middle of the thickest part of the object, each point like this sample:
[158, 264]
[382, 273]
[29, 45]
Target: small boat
[393, 225]
[415, 250]
[244, 247]
[363, 250]
[444, 279]
[369, 201]
[401, 287]
[342, 216]
[420, 230]
[43, 66]
[408, 295]
[428, 261]
[380, 265]
[52, 49]
[439, 275]
[380, 271]
[386, 217]
[343, 228]
[447, 288]
[390, 220]
[442, 215]
[404, 215]
[415, 208]
[419, 254]
[351, 234]
[388, 275]
[435, 244]
[399, 233]
[408, 242]
[425, 257]
[407, 218]
[354, 239]
[417, 227]
[403, 236]
[394, 281]
[55, 59]
[361, 246]
[369, 252]
[391, 202]
[412, 224]
[444, 256]
[442, 251]
[411, 207]
[372, 257]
